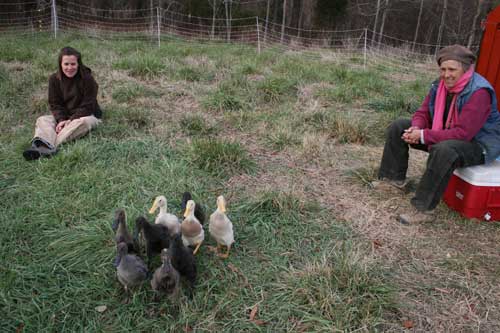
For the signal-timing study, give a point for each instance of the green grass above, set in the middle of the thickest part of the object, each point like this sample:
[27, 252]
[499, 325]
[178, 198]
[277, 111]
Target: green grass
[302, 265]
[338, 285]
[143, 66]
[196, 125]
[128, 93]
[225, 98]
[275, 89]
[220, 157]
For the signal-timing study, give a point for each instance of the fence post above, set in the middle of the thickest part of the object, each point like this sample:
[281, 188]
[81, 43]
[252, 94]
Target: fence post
[364, 49]
[158, 24]
[53, 18]
[258, 35]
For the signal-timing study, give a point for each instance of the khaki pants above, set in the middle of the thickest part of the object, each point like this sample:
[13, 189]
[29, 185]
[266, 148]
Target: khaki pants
[45, 129]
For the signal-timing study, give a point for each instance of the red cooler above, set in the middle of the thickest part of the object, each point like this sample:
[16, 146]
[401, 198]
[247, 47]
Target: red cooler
[474, 192]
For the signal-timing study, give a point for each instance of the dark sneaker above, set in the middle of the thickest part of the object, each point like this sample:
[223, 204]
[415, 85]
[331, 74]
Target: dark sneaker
[414, 216]
[35, 153]
[31, 154]
[46, 152]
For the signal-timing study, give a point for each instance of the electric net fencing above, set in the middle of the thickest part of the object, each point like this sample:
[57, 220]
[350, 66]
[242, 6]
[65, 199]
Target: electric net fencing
[361, 48]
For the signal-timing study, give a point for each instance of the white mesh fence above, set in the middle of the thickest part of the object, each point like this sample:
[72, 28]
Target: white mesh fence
[361, 47]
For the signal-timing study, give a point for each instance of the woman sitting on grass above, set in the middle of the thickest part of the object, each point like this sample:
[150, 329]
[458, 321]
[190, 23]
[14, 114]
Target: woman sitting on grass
[73, 103]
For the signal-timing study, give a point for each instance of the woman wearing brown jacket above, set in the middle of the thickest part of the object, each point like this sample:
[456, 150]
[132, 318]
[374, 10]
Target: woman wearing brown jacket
[73, 103]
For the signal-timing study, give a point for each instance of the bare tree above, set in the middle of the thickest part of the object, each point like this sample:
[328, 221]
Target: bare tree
[418, 24]
[441, 26]
[215, 6]
[460, 9]
[474, 23]
[228, 5]
[267, 19]
[384, 16]
[299, 22]
[377, 11]
[283, 22]
[290, 13]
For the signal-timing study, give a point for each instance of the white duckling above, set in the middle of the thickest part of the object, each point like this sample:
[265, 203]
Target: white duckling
[167, 219]
[191, 228]
[221, 228]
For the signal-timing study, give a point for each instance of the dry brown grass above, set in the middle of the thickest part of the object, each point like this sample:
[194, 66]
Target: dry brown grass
[433, 295]
[446, 272]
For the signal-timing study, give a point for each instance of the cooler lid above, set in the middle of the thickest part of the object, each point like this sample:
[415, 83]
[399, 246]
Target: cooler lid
[481, 175]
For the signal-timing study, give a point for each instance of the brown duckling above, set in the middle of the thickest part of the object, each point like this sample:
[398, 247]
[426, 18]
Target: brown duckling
[119, 226]
[165, 279]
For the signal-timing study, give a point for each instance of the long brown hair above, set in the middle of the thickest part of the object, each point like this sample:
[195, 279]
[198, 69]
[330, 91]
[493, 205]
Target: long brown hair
[69, 51]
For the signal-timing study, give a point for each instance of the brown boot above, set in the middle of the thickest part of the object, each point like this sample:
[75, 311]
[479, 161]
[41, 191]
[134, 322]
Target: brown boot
[386, 184]
[414, 216]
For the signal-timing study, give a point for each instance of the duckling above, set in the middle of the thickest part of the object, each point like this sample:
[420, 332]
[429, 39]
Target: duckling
[130, 269]
[199, 212]
[165, 279]
[221, 228]
[192, 230]
[169, 220]
[155, 235]
[183, 261]
[119, 226]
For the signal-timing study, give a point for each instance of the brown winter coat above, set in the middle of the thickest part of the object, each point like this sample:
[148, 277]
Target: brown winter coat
[73, 98]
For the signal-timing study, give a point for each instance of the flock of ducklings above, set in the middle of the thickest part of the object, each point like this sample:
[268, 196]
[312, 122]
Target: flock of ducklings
[172, 240]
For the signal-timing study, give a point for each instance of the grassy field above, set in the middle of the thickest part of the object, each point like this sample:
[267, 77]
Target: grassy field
[291, 141]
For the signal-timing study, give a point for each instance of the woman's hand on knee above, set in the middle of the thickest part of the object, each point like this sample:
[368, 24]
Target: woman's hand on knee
[61, 125]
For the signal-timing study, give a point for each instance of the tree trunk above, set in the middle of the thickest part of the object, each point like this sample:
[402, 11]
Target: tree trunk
[441, 26]
[418, 24]
[228, 28]
[376, 21]
[152, 17]
[267, 19]
[290, 13]
[308, 11]
[384, 15]
[474, 22]
[283, 22]
[213, 4]
[460, 18]
[299, 23]
[275, 12]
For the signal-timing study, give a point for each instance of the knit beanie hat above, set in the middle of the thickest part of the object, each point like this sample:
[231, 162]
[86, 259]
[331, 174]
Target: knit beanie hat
[456, 52]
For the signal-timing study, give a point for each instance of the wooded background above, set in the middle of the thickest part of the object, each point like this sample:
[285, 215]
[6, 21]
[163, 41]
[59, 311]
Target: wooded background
[434, 22]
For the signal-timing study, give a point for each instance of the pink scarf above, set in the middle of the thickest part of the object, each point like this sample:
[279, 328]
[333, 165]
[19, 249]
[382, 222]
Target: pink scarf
[437, 121]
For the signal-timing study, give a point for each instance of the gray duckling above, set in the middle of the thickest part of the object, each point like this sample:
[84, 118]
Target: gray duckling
[122, 234]
[165, 279]
[131, 270]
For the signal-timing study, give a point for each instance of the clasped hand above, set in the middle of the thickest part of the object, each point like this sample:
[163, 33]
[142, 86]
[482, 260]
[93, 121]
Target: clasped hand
[411, 135]
[61, 125]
